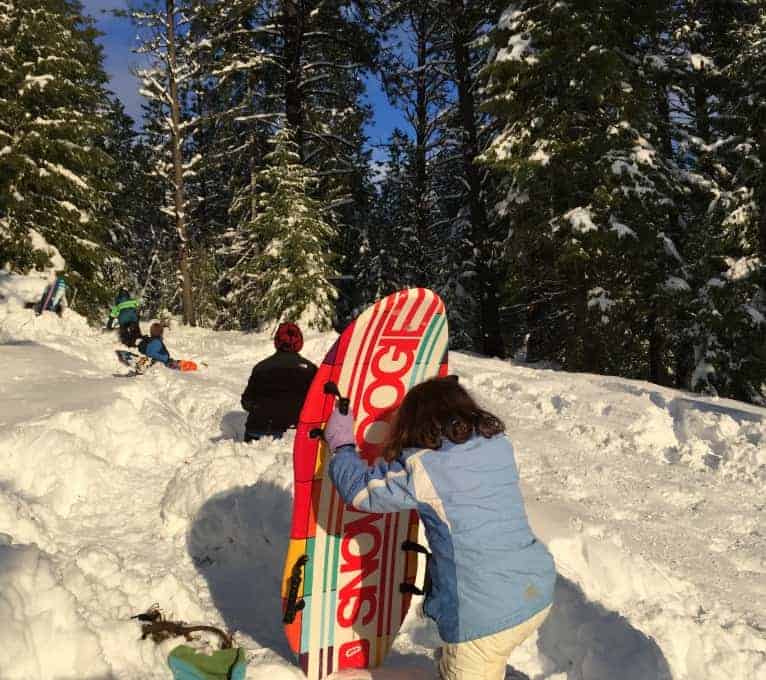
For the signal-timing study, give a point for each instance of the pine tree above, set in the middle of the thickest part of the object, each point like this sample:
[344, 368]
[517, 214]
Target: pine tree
[415, 81]
[687, 68]
[729, 329]
[589, 194]
[429, 67]
[236, 107]
[385, 261]
[133, 202]
[284, 271]
[168, 84]
[267, 62]
[53, 111]
[457, 247]
[473, 270]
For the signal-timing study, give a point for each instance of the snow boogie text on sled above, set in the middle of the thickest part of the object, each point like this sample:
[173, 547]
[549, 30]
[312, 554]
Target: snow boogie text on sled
[349, 576]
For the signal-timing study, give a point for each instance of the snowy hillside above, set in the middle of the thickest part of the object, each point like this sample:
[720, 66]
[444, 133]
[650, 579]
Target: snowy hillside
[116, 493]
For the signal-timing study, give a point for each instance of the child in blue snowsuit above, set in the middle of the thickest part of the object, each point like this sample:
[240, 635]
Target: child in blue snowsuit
[154, 348]
[491, 579]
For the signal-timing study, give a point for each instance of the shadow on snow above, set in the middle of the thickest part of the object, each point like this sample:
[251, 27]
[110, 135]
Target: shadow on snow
[238, 542]
[232, 427]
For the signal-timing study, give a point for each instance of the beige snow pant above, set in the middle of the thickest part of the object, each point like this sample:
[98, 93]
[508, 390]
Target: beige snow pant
[485, 658]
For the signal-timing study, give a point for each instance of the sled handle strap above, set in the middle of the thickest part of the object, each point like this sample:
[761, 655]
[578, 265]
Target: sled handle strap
[343, 402]
[411, 588]
[331, 388]
[294, 605]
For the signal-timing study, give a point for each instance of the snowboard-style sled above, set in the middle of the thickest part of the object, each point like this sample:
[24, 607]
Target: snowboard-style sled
[349, 576]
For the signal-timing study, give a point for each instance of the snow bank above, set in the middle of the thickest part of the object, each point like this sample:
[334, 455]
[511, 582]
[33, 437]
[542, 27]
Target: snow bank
[650, 501]
[20, 324]
[43, 636]
[15, 291]
[117, 493]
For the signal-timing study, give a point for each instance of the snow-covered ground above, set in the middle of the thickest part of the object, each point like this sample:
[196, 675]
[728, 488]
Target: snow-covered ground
[116, 493]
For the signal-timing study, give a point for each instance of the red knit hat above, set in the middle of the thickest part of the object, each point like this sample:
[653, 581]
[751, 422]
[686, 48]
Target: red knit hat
[288, 338]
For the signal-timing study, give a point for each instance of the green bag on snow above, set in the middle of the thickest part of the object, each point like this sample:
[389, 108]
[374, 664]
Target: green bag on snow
[224, 664]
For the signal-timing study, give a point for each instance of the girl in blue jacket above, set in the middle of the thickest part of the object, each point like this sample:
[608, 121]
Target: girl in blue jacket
[492, 580]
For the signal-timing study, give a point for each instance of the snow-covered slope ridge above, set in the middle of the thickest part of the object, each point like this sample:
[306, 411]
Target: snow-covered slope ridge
[116, 493]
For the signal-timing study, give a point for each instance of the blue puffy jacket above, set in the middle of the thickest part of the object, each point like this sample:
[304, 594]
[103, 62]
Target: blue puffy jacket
[155, 349]
[488, 570]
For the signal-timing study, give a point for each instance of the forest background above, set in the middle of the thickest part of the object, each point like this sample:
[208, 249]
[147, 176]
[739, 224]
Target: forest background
[583, 182]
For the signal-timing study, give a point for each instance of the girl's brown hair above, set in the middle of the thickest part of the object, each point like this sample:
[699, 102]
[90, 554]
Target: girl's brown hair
[436, 409]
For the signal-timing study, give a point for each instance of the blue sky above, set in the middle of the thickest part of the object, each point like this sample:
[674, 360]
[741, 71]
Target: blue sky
[120, 37]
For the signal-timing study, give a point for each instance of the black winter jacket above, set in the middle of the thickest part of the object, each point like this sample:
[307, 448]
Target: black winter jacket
[275, 392]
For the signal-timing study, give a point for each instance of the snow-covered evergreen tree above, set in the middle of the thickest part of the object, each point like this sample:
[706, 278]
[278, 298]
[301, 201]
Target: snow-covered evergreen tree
[267, 62]
[729, 329]
[53, 110]
[284, 269]
[455, 255]
[236, 104]
[589, 194]
[415, 81]
[168, 84]
[133, 202]
[686, 65]
[471, 272]
[433, 200]
[386, 259]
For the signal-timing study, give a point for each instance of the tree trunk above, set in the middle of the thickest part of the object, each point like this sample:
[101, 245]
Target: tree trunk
[421, 141]
[659, 372]
[762, 206]
[591, 342]
[684, 366]
[582, 344]
[178, 170]
[701, 112]
[684, 352]
[292, 22]
[575, 341]
[658, 342]
[492, 339]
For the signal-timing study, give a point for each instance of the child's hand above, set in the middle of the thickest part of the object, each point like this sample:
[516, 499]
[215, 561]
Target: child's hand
[339, 430]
